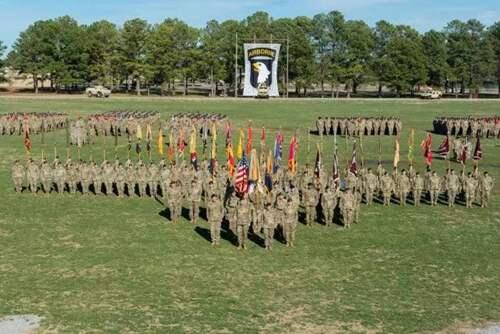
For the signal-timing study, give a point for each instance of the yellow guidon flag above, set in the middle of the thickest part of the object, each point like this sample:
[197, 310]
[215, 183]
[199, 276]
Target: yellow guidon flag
[254, 174]
[192, 141]
[396, 153]
[160, 142]
[239, 150]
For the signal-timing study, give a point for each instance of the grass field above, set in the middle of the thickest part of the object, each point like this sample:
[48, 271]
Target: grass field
[107, 265]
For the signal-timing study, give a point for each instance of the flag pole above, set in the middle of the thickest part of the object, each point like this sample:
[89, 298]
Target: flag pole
[308, 144]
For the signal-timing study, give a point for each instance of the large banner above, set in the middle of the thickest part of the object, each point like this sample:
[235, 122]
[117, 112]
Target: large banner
[261, 69]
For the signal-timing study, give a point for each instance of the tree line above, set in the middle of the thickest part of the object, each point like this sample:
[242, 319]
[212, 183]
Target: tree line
[328, 52]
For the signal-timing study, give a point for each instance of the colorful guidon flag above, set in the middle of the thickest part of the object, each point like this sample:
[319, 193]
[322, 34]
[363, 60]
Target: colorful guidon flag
[353, 165]
[292, 155]
[478, 153]
[192, 149]
[318, 164]
[231, 163]
[336, 167]
[278, 151]
[160, 142]
[396, 153]
[444, 148]
[426, 148]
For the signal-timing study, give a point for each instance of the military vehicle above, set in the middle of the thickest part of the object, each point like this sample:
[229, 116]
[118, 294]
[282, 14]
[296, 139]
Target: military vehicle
[98, 91]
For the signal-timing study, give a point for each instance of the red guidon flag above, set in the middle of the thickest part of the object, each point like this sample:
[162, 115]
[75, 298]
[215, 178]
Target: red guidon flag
[444, 148]
[292, 155]
[27, 141]
[426, 148]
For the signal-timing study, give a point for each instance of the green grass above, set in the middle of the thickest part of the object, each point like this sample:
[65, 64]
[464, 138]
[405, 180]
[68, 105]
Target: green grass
[106, 265]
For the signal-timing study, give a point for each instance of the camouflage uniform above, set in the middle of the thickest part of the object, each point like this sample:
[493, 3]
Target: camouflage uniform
[232, 211]
[18, 174]
[120, 180]
[60, 177]
[452, 187]
[434, 187]
[470, 190]
[310, 198]
[486, 185]
[33, 175]
[175, 201]
[194, 198]
[215, 214]
[328, 204]
[243, 222]
[387, 187]
[370, 186]
[291, 219]
[417, 188]
[270, 224]
[403, 187]
[347, 207]
[46, 176]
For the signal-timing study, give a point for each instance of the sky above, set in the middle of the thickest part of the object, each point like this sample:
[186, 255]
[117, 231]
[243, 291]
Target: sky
[16, 15]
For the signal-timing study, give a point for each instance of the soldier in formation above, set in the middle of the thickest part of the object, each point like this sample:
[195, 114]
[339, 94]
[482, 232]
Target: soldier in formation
[487, 127]
[272, 211]
[359, 126]
[18, 123]
[120, 123]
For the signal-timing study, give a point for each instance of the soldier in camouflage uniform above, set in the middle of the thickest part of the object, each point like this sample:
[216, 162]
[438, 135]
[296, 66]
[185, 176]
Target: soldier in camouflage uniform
[142, 178]
[371, 185]
[470, 190]
[403, 187]
[153, 179]
[417, 188]
[120, 179]
[18, 175]
[486, 184]
[46, 176]
[175, 200]
[270, 224]
[109, 178]
[434, 188]
[452, 187]
[328, 204]
[243, 222]
[310, 199]
[291, 219]
[232, 211]
[215, 214]
[131, 180]
[387, 187]
[72, 175]
[194, 199]
[33, 175]
[347, 206]
[85, 177]
[60, 177]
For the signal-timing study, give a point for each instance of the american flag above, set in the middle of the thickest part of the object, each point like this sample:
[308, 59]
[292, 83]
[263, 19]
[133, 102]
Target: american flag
[241, 180]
